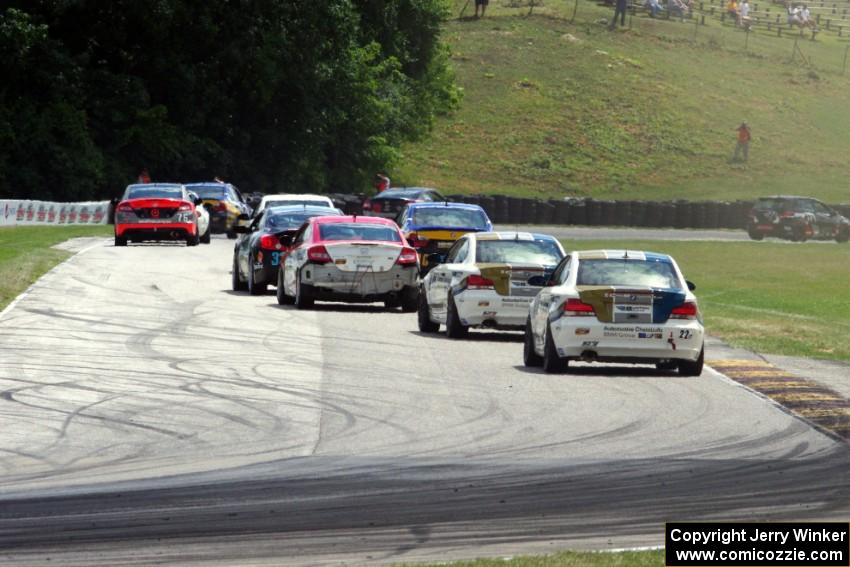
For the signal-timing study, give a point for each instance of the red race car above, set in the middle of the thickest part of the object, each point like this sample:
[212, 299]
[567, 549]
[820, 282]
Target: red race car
[156, 211]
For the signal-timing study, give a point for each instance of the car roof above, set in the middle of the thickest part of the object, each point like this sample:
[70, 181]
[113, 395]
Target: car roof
[206, 184]
[151, 185]
[610, 254]
[293, 197]
[299, 209]
[404, 190]
[354, 218]
[510, 235]
[444, 205]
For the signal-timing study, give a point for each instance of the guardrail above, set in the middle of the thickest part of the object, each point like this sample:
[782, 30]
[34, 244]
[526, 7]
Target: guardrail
[503, 209]
[15, 212]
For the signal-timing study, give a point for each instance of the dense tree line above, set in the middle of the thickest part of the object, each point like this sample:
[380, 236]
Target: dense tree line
[277, 95]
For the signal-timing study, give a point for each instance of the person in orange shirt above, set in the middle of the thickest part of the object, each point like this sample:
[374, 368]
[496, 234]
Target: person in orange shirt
[743, 145]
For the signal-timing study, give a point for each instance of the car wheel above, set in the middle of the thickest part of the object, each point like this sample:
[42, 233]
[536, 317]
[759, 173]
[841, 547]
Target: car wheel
[409, 299]
[282, 298]
[120, 241]
[423, 316]
[692, 367]
[454, 328]
[193, 239]
[529, 357]
[552, 363]
[303, 294]
[843, 236]
[231, 233]
[254, 288]
[798, 234]
[392, 303]
[755, 235]
[206, 237]
[236, 283]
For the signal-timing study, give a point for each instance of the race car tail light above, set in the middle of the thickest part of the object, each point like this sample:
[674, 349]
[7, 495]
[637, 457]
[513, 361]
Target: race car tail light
[407, 257]
[367, 204]
[687, 310]
[578, 308]
[478, 282]
[417, 241]
[220, 207]
[270, 242]
[125, 208]
[318, 255]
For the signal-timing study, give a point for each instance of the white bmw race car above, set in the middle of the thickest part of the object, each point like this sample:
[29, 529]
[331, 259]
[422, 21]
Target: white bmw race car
[487, 279]
[616, 306]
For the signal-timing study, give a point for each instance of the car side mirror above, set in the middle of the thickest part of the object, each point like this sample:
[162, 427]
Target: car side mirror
[436, 258]
[691, 285]
[539, 281]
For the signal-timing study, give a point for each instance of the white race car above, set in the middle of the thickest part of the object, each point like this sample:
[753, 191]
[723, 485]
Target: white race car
[616, 306]
[203, 217]
[487, 279]
[288, 199]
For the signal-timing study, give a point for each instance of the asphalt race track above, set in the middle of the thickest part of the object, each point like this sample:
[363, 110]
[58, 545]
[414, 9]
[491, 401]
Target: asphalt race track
[149, 414]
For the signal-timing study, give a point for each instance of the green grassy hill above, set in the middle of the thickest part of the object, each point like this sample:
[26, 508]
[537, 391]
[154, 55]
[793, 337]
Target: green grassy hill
[552, 108]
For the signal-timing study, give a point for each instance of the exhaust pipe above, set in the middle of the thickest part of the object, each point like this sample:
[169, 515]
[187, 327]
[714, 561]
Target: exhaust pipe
[588, 356]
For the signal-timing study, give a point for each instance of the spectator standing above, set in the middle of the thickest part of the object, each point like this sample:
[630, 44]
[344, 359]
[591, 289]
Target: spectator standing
[806, 18]
[745, 14]
[677, 8]
[483, 5]
[743, 144]
[382, 182]
[144, 176]
[653, 6]
[732, 10]
[794, 16]
[619, 10]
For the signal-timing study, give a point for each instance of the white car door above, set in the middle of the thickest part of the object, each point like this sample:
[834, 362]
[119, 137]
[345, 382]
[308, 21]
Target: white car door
[543, 302]
[294, 259]
[440, 279]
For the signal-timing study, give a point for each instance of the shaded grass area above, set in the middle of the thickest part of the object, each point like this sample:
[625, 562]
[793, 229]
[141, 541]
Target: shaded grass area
[554, 108]
[771, 297]
[654, 558]
[26, 254]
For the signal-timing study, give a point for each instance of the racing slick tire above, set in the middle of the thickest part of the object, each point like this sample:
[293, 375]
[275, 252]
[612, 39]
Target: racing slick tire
[303, 294]
[254, 288]
[205, 239]
[120, 241]
[454, 328]
[230, 231]
[755, 235]
[282, 298]
[236, 283]
[552, 363]
[423, 316]
[409, 299]
[529, 357]
[692, 367]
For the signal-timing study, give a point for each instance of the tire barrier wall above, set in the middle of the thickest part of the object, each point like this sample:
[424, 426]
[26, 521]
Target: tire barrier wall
[24, 212]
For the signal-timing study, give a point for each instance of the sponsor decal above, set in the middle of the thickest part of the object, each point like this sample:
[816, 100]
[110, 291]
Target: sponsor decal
[650, 336]
[489, 313]
[632, 332]
[590, 343]
[582, 331]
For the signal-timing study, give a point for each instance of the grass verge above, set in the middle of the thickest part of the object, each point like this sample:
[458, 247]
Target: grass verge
[771, 297]
[26, 254]
[654, 558]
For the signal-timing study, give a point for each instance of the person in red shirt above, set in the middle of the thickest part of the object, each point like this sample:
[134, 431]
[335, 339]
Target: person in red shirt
[743, 145]
[144, 176]
[382, 182]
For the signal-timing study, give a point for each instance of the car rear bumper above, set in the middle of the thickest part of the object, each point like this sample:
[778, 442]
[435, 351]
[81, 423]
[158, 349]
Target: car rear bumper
[333, 284]
[156, 231]
[675, 339]
[486, 308]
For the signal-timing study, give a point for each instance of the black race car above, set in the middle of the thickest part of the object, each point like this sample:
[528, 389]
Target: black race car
[796, 218]
[390, 203]
[257, 254]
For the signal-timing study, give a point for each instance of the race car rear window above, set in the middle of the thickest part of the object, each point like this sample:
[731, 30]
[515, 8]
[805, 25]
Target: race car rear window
[517, 252]
[627, 273]
[769, 204]
[290, 221]
[210, 191]
[358, 231]
[296, 202]
[446, 217]
[154, 193]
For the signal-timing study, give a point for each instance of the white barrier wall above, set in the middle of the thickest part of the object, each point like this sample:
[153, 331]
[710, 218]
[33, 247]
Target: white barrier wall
[22, 212]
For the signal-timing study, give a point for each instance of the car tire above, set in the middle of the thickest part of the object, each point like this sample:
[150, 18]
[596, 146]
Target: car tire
[392, 303]
[798, 234]
[303, 294]
[205, 239]
[231, 234]
[755, 235]
[529, 357]
[120, 241]
[692, 367]
[423, 316]
[454, 328]
[236, 283]
[843, 236]
[409, 299]
[193, 239]
[552, 363]
[254, 288]
[282, 298]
